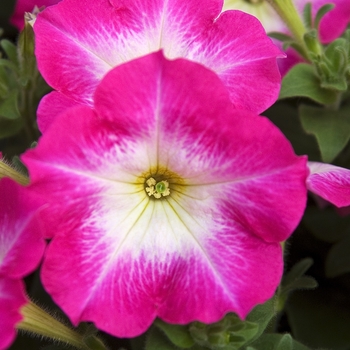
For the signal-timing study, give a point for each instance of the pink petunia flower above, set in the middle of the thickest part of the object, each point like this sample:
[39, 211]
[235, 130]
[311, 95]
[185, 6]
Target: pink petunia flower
[164, 200]
[22, 6]
[21, 249]
[330, 182]
[78, 42]
[332, 25]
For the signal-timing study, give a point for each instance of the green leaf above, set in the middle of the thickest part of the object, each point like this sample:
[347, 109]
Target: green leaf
[302, 81]
[262, 315]
[304, 282]
[307, 15]
[177, 334]
[93, 343]
[321, 12]
[10, 50]
[157, 340]
[295, 280]
[277, 342]
[280, 36]
[228, 334]
[8, 64]
[9, 106]
[331, 129]
[297, 271]
[338, 259]
[326, 224]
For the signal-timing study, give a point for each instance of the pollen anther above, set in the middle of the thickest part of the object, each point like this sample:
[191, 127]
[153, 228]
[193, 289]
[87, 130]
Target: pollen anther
[157, 189]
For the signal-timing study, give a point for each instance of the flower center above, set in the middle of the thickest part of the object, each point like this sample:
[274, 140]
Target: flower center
[157, 189]
[159, 182]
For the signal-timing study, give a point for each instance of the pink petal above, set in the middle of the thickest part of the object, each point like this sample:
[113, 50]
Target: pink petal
[330, 182]
[124, 294]
[12, 297]
[50, 106]
[23, 6]
[21, 242]
[77, 43]
[215, 238]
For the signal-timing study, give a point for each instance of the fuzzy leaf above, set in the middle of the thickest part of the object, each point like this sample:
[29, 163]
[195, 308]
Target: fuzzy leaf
[331, 129]
[280, 36]
[338, 259]
[321, 12]
[307, 15]
[304, 282]
[277, 342]
[262, 315]
[9, 106]
[302, 81]
[228, 334]
[157, 340]
[177, 334]
[297, 271]
[10, 50]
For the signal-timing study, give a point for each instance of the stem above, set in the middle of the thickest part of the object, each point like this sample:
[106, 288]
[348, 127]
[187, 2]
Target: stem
[7, 171]
[336, 105]
[287, 11]
[37, 321]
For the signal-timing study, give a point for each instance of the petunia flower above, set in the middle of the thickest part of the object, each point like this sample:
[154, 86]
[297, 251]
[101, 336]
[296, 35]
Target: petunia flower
[332, 25]
[164, 200]
[21, 249]
[330, 182]
[78, 42]
[23, 6]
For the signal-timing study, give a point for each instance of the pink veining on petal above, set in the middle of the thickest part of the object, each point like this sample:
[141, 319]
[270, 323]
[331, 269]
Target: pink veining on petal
[211, 247]
[108, 33]
[21, 242]
[330, 182]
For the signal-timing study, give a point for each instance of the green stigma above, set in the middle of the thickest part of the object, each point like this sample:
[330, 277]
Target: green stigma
[161, 187]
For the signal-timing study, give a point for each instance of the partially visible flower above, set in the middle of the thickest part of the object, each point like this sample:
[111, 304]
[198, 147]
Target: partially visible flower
[23, 6]
[332, 24]
[330, 182]
[21, 249]
[78, 42]
[164, 200]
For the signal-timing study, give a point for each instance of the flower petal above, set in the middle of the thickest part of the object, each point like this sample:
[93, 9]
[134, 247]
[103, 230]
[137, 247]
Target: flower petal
[12, 297]
[330, 182]
[21, 242]
[171, 276]
[50, 106]
[108, 33]
[239, 190]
